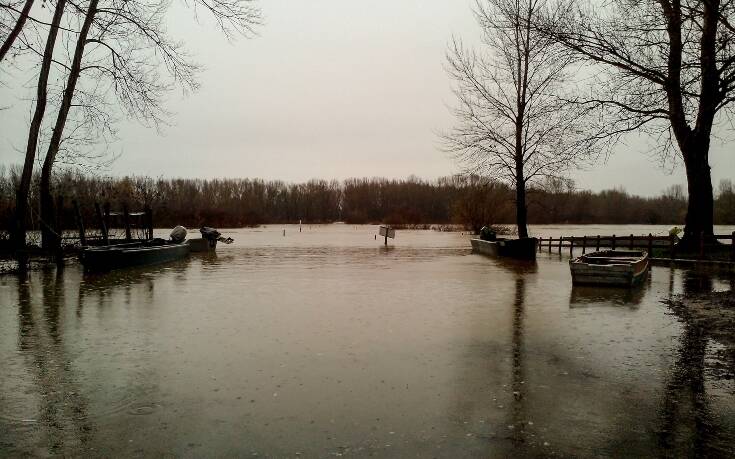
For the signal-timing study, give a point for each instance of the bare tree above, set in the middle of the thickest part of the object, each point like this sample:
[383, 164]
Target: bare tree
[35, 128]
[118, 51]
[513, 124]
[664, 67]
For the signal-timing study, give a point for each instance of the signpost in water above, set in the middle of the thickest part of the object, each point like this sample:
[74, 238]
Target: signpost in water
[387, 232]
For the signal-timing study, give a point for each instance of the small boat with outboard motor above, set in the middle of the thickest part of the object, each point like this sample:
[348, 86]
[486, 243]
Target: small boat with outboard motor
[489, 244]
[149, 252]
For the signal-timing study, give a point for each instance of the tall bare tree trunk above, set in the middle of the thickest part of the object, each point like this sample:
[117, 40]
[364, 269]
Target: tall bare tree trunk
[521, 209]
[49, 237]
[700, 208]
[21, 199]
[16, 29]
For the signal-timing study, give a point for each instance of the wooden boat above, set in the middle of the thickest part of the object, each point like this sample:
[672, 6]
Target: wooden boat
[524, 248]
[622, 268]
[134, 254]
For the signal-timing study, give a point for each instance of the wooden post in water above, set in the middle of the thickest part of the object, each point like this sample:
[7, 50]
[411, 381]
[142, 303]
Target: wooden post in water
[597, 247]
[549, 244]
[613, 242]
[650, 244]
[80, 223]
[631, 242]
[126, 221]
[571, 246]
[101, 219]
[584, 245]
[107, 217]
[560, 239]
[148, 218]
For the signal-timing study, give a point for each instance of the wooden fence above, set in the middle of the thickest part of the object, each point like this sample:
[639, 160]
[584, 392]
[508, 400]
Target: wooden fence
[613, 242]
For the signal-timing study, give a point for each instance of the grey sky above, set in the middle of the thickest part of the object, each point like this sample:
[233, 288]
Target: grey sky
[330, 89]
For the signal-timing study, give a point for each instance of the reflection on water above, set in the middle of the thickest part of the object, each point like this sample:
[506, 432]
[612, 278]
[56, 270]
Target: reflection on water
[326, 343]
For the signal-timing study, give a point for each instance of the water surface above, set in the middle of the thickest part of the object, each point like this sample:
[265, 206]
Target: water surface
[324, 343]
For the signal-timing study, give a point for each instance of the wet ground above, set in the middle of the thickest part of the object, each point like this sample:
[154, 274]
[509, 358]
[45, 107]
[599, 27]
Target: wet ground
[324, 343]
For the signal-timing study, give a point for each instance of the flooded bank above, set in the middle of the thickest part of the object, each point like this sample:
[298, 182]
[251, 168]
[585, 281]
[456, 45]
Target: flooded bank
[324, 343]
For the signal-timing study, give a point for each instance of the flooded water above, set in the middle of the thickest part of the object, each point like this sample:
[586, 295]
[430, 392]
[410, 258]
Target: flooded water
[325, 343]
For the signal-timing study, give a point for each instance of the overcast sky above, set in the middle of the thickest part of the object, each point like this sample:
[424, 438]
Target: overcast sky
[330, 89]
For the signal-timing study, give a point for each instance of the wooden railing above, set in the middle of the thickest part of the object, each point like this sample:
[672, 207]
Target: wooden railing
[613, 242]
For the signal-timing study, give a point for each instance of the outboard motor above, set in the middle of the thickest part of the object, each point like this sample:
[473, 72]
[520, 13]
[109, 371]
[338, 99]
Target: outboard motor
[487, 234]
[212, 236]
[178, 234]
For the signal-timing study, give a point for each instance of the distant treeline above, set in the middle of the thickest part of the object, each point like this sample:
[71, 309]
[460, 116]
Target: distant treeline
[470, 201]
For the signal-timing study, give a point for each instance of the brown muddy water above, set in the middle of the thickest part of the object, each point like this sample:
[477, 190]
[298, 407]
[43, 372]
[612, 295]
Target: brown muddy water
[324, 343]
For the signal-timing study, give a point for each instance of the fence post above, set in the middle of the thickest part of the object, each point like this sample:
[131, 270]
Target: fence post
[571, 246]
[631, 242]
[560, 239]
[103, 227]
[597, 247]
[613, 242]
[551, 239]
[126, 221]
[584, 245]
[80, 223]
[650, 245]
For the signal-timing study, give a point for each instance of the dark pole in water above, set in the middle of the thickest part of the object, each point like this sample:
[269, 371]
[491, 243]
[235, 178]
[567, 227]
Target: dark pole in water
[650, 244]
[101, 219]
[613, 242]
[126, 221]
[80, 223]
[386, 236]
[107, 217]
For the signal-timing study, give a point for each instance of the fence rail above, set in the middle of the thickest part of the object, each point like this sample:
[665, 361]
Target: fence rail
[649, 242]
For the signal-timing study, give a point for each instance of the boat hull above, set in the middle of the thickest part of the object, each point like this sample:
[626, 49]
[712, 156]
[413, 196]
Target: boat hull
[202, 245]
[524, 249]
[115, 257]
[615, 269]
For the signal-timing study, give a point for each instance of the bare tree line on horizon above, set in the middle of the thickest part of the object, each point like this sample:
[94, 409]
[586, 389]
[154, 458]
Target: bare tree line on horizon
[470, 201]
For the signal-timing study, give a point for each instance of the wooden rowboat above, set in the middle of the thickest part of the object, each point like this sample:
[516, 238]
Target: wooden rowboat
[135, 254]
[524, 248]
[622, 268]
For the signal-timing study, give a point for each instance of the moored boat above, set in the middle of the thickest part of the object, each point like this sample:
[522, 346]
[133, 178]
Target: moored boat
[621, 268]
[523, 248]
[156, 251]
